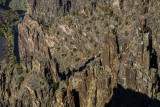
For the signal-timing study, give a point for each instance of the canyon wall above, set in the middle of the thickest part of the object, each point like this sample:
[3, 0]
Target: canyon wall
[86, 53]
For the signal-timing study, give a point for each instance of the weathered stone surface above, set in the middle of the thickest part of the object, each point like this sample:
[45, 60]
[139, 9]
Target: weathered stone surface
[91, 53]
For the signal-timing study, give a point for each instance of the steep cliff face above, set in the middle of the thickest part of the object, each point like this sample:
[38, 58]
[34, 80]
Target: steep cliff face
[86, 53]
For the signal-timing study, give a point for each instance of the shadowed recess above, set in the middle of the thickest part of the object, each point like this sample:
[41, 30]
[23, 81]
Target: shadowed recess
[76, 98]
[129, 98]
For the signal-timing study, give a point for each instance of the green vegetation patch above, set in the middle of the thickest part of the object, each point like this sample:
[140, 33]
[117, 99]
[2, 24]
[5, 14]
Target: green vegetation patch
[19, 79]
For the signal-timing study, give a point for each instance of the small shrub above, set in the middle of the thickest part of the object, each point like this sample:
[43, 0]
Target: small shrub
[111, 13]
[88, 51]
[116, 18]
[119, 23]
[80, 32]
[77, 13]
[102, 19]
[133, 18]
[19, 70]
[67, 80]
[52, 83]
[72, 72]
[106, 25]
[64, 14]
[73, 13]
[46, 27]
[24, 6]
[93, 18]
[65, 39]
[77, 59]
[74, 49]
[71, 43]
[97, 32]
[126, 33]
[40, 21]
[26, 70]
[55, 85]
[88, 28]
[14, 60]
[6, 61]
[91, 13]
[56, 25]
[57, 32]
[15, 6]
[126, 23]
[67, 69]
[85, 22]
[90, 21]
[99, 18]
[95, 27]
[19, 79]
[71, 53]
[19, 5]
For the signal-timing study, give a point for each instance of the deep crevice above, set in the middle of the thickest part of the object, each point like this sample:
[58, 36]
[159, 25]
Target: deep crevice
[121, 4]
[68, 5]
[117, 45]
[128, 98]
[76, 98]
[115, 33]
[152, 51]
[153, 60]
[16, 47]
[7, 3]
[60, 3]
[80, 69]
[94, 5]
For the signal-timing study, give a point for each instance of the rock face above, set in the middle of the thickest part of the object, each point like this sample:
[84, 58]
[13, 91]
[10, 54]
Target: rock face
[19, 5]
[91, 53]
[3, 48]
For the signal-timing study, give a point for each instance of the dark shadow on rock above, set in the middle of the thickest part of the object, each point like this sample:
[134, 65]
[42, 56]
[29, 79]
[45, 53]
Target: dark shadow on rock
[129, 98]
[121, 4]
[1, 105]
[62, 75]
[84, 66]
[21, 13]
[80, 69]
[94, 5]
[16, 48]
[152, 51]
[60, 3]
[15, 28]
[7, 3]
[153, 60]
[76, 98]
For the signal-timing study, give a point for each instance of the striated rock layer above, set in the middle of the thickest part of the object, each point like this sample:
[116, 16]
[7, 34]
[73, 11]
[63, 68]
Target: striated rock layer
[86, 53]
